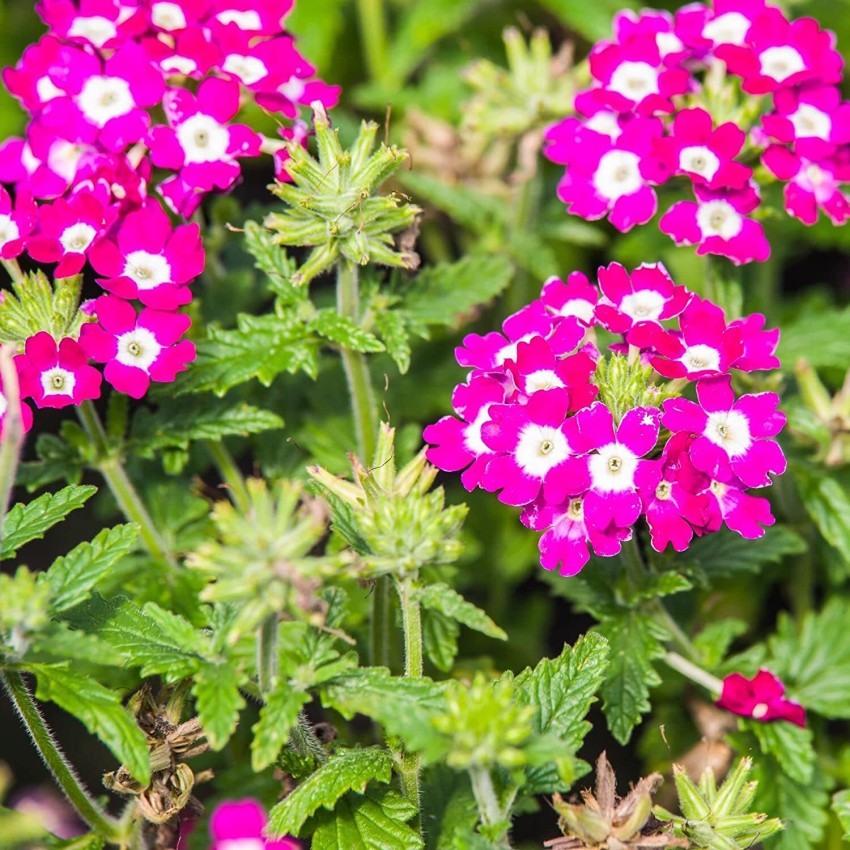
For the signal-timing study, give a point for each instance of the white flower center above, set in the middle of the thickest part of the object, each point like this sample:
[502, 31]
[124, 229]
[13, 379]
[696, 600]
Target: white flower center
[63, 158]
[731, 28]
[29, 160]
[249, 69]
[719, 218]
[246, 20]
[540, 448]
[58, 381]
[203, 139]
[96, 29]
[4, 405]
[472, 433]
[509, 351]
[779, 63]
[241, 844]
[168, 16]
[138, 348]
[182, 65]
[664, 491]
[668, 43]
[578, 307]
[575, 511]
[730, 430]
[645, 305]
[147, 270]
[46, 89]
[617, 174]
[606, 123]
[699, 358]
[759, 710]
[104, 98]
[77, 238]
[634, 80]
[810, 122]
[698, 159]
[718, 488]
[292, 89]
[542, 379]
[612, 470]
[8, 232]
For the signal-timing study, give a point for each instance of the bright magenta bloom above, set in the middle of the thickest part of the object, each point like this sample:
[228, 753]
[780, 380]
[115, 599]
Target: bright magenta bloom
[239, 825]
[56, 376]
[761, 698]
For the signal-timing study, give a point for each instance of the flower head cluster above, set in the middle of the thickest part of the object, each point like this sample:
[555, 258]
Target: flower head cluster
[586, 444]
[701, 97]
[125, 96]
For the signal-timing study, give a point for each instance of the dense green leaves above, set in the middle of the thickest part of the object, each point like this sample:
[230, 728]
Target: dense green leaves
[277, 718]
[828, 505]
[790, 745]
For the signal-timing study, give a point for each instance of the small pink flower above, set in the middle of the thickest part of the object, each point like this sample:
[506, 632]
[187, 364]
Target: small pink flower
[30, 79]
[260, 17]
[136, 349]
[575, 298]
[727, 503]
[779, 54]
[717, 224]
[653, 22]
[149, 260]
[189, 53]
[16, 223]
[26, 410]
[99, 23]
[176, 15]
[761, 698]
[239, 825]
[728, 22]
[731, 435]
[56, 376]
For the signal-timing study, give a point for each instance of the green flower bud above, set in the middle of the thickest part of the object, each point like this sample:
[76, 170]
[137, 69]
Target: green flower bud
[36, 305]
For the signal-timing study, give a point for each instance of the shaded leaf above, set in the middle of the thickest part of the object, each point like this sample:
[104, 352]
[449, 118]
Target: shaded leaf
[344, 332]
[277, 718]
[218, 701]
[440, 597]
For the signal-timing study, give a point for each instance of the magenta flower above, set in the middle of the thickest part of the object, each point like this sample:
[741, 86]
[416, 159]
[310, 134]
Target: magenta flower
[26, 410]
[56, 376]
[717, 224]
[759, 345]
[811, 185]
[261, 17]
[731, 435]
[615, 177]
[728, 22]
[99, 23]
[136, 349]
[575, 298]
[149, 260]
[16, 223]
[655, 23]
[30, 79]
[239, 825]
[761, 698]
[727, 503]
[170, 16]
[705, 154]
[189, 53]
[779, 54]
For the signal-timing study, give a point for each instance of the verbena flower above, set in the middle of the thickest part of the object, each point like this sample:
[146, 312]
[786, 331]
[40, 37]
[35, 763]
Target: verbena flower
[760, 698]
[239, 825]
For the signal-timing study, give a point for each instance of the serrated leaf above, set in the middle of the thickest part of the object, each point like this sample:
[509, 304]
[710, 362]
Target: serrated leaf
[218, 701]
[828, 505]
[841, 807]
[277, 718]
[26, 522]
[72, 576]
[635, 642]
[274, 261]
[101, 712]
[60, 643]
[175, 424]
[343, 331]
[448, 806]
[375, 821]
[345, 770]
[790, 745]
[440, 597]
[442, 293]
[439, 638]
[391, 326]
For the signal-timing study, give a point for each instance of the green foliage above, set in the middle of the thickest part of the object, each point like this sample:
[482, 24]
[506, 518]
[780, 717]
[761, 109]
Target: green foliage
[829, 507]
[841, 807]
[216, 691]
[448, 602]
[822, 339]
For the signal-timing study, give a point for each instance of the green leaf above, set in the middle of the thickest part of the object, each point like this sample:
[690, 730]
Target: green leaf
[392, 328]
[790, 745]
[58, 460]
[375, 821]
[475, 210]
[72, 576]
[439, 637]
[828, 505]
[592, 21]
[26, 522]
[218, 701]
[344, 332]
[101, 712]
[277, 718]
[635, 642]
[345, 770]
[714, 640]
[272, 259]
[60, 643]
[442, 293]
[822, 339]
[176, 424]
[448, 806]
[440, 597]
[841, 807]
[90, 841]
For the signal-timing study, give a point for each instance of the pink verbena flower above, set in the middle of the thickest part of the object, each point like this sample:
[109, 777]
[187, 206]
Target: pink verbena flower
[56, 376]
[240, 824]
[99, 23]
[761, 698]
[189, 53]
[26, 410]
[731, 435]
[728, 503]
[704, 28]
[575, 298]
[717, 224]
[260, 17]
[653, 22]
[150, 260]
[136, 349]
[30, 80]
[16, 223]
[172, 16]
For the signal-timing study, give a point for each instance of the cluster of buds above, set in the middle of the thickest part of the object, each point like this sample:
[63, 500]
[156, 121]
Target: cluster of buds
[572, 437]
[97, 87]
[705, 95]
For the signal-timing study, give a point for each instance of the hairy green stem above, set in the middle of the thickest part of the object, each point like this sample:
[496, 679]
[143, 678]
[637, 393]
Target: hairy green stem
[488, 803]
[267, 640]
[88, 809]
[13, 431]
[696, 674]
[230, 474]
[110, 467]
[380, 626]
[304, 741]
[373, 38]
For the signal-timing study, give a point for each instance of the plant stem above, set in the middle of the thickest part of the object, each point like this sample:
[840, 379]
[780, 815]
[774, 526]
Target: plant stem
[488, 804]
[696, 674]
[267, 638]
[230, 474]
[53, 757]
[110, 467]
[373, 38]
[381, 623]
[304, 741]
[13, 431]
[13, 267]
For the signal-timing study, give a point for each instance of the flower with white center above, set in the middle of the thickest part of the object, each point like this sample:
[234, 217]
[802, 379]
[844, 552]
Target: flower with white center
[203, 139]
[780, 63]
[96, 29]
[56, 375]
[730, 28]
[729, 430]
[248, 69]
[138, 348]
[540, 448]
[701, 358]
[103, 98]
[604, 122]
[700, 160]
[612, 468]
[809, 121]
[77, 238]
[634, 80]
[168, 16]
[617, 175]
[58, 381]
[542, 379]
[245, 19]
[645, 305]
[719, 218]
[147, 270]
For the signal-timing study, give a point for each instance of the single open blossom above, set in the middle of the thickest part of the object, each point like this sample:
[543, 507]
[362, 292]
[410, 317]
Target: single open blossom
[761, 698]
[704, 28]
[99, 23]
[137, 349]
[239, 825]
[149, 260]
[577, 297]
[656, 23]
[814, 118]
[717, 224]
[56, 375]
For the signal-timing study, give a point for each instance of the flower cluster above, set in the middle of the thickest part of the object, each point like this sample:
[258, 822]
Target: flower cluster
[587, 444]
[705, 95]
[125, 97]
